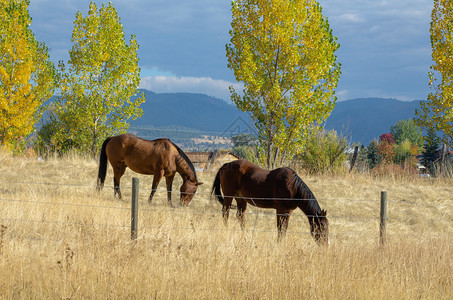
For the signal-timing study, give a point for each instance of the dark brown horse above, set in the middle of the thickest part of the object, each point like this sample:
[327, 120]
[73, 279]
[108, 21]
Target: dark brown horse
[281, 189]
[160, 158]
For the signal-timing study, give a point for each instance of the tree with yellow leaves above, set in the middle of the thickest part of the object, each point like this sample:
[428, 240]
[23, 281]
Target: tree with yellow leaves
[284, 53]
[437, 112]
[98, 86]
[27, 76]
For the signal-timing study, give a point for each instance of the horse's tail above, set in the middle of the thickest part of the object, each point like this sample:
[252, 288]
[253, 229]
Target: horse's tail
[216, 191]
[102, 172]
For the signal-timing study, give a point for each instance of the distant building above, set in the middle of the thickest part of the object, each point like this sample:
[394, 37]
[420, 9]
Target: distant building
[211, 160]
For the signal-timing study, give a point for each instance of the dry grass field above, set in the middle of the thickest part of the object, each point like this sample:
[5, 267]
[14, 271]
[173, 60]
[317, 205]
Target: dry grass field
[60, 239]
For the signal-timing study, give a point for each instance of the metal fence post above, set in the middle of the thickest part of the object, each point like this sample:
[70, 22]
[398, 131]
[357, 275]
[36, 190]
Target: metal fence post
[134, 212]
[382, 231]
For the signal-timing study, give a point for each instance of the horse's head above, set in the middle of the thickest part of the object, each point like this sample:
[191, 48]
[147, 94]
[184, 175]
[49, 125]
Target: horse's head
[187, 190]
[319, 229]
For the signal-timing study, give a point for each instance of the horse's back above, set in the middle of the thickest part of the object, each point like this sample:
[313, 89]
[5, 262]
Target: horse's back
[283, 181]
[282, 175]
[128, 143]
[241, 169]
[245, 179]
[232, 173]
[142, 156]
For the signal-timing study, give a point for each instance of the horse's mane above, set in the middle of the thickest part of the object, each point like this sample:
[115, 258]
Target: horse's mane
[304, 192]
[189, 163]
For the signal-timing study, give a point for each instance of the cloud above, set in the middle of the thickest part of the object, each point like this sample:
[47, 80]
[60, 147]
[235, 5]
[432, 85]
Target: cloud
[384, 49]
[352, 18]
[341, 95]
[171, 84]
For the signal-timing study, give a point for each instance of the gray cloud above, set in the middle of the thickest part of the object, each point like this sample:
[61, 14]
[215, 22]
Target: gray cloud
[385, 50]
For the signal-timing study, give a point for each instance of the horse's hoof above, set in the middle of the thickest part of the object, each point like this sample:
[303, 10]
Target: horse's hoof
[171, 205]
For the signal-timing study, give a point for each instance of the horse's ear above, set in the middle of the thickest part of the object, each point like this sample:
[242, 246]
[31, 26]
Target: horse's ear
[199, 183]
[323, 213]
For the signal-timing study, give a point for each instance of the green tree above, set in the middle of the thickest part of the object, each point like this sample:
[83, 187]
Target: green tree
[243, 140]
[374, 158]
[430, 152]
[437, 112]
[244, 146]
[404, 152]
[284, 53]
[407, 130]
[97, 86]
[246, 152]
[27, 76]
[362, 159]
[324, 152]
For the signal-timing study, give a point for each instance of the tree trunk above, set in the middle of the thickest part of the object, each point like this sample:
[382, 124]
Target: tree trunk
[270, 139]
[354, 158]
[274, 163]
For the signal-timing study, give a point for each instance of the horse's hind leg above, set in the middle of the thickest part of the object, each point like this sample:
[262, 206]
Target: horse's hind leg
[242, 206]
[282, 222]
[226, 208]
[118, 171]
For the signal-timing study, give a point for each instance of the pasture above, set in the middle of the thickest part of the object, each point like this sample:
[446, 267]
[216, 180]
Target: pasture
[59, 238]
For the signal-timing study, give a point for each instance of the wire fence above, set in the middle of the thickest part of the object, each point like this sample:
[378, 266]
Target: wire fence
[195, 210]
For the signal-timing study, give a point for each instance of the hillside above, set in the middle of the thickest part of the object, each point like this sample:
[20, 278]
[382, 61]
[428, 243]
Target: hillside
[361, 120]
[188, 110]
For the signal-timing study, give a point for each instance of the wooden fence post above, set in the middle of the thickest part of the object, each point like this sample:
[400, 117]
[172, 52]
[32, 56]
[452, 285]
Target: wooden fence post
[134, 212]
[354, 158]
[442, 159]
[382, 232]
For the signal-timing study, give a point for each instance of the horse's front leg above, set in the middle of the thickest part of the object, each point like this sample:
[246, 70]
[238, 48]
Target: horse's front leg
[282, 223]
[157, 177]
[169, 181]
[242, 206]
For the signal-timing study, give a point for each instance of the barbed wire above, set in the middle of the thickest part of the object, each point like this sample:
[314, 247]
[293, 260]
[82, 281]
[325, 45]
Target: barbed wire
[192, 227]
[63, 203]
[63, 222]
[149, 190]
[172, 210]
[200, 211]
[332, 235]
[51, 184]
[268, 213]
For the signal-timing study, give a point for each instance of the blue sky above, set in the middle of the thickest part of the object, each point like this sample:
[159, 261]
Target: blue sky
[384, 45]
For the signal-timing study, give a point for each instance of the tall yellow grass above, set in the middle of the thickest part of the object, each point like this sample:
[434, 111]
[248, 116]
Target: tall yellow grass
[61, 239]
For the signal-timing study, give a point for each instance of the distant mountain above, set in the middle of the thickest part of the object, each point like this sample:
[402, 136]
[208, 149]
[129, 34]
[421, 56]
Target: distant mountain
[187, 110]
[361, 120]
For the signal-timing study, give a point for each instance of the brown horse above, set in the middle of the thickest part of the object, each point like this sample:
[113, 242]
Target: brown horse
[281, 189]
[158, 157]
